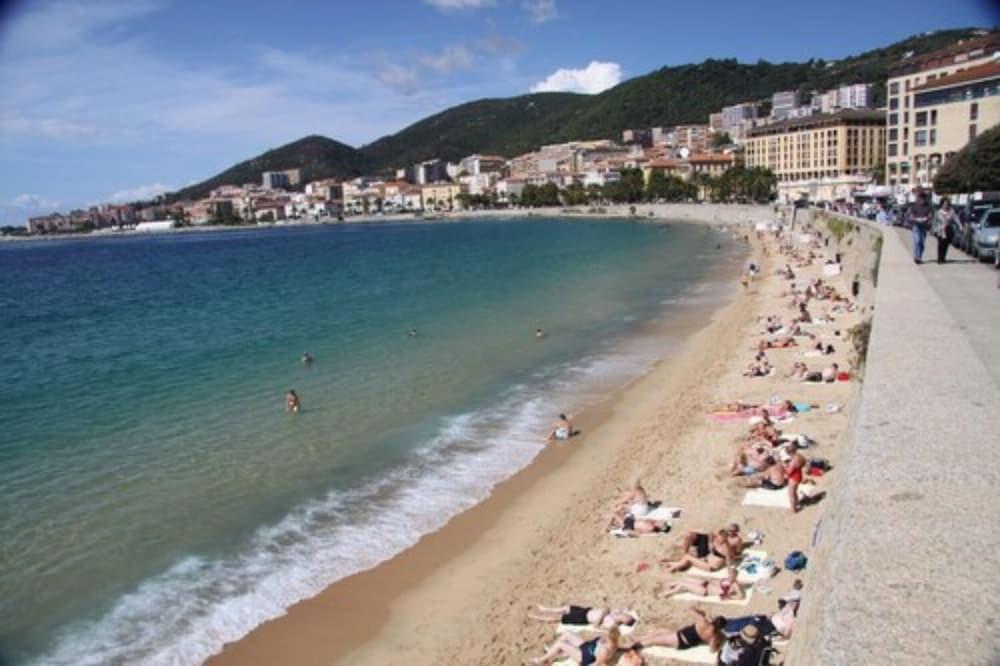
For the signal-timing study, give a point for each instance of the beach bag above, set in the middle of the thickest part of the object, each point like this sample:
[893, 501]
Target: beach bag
[796, 561]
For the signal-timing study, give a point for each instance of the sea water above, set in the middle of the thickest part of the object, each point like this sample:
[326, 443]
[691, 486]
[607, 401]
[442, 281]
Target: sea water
[158, 500]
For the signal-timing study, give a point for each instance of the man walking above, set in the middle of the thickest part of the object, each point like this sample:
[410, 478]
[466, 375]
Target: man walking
[918, 219]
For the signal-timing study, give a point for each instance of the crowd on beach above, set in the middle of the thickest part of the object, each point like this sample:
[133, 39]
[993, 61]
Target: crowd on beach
[724, 566]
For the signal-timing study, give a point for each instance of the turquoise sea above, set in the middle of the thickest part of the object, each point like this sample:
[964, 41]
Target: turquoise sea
[157, 499]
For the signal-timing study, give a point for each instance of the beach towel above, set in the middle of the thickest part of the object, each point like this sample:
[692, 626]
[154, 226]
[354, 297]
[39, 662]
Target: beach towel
[715, 599]
[831, 269]
[695, 655]
[661, 513]
[812, 354]
[625, 630]
[776, 499]
[752, 568]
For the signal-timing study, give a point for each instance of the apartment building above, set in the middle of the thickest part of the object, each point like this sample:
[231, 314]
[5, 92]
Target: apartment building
[954, 103]
[820, 157]
[693, 137]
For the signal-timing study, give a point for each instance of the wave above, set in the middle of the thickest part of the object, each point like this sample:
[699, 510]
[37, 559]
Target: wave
[187, 613]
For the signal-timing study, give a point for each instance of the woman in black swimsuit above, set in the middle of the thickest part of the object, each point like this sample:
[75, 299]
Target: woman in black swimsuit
[710, 552]
[600, 651]
[705, 630]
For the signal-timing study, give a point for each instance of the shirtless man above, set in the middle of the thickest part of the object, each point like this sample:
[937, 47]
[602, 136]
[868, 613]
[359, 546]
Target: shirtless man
[706, 630]
[750, 459]
[292, 402]
[794, 470]
[709, 552]
[772, 478]
[561, 429]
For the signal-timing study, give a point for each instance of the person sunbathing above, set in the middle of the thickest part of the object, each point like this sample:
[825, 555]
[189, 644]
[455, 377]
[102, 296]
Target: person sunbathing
[583, 616]
[635, 501]
[772, 478]
[709, 552]
[631, 526]
[725, 589]
[600, 651]
[706, 630]
[830, 373]
[791, 407]
[798, 372]
[758, 369]
[749, 460]
[780, 343]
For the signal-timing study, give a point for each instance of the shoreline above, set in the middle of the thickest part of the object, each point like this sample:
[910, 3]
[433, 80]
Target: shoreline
[646, 212]
[351, 615]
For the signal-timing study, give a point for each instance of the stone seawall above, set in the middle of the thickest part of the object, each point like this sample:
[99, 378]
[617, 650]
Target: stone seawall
[903, 568]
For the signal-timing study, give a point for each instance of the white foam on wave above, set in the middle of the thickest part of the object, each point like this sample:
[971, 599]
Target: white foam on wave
[188, 612]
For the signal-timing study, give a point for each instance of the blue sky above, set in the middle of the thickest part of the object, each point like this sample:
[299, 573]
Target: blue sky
[115, 99]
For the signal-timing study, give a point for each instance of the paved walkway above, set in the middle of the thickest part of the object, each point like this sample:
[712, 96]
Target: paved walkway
[969, 291]
[903, 568]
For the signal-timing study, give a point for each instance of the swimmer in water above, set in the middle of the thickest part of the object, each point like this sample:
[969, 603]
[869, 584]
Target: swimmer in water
[412, 333]
[306, 358]
[292, 402]
[539, 333]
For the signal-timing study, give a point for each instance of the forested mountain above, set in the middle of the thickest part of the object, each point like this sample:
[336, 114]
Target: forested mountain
[667, 96]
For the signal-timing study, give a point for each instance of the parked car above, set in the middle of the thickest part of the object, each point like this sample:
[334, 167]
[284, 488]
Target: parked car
[986, 236]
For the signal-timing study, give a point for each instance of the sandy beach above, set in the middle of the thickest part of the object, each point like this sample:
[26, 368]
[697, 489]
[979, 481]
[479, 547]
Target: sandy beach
[461, 594]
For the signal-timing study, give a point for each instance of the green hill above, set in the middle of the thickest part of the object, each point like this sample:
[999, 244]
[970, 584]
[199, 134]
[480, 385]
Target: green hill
[317, 157]
[667, 96]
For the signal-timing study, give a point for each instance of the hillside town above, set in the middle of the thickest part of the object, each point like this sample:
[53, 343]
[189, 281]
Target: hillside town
[823, 147]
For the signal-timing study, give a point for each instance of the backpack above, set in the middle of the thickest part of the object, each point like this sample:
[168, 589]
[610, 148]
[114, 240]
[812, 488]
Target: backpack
[796, 561]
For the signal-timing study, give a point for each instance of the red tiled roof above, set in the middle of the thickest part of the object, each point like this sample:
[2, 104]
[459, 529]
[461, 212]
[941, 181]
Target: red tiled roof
[984, 71]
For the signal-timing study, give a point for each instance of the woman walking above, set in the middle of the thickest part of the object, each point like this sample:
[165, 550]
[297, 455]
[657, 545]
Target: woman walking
[944, 228]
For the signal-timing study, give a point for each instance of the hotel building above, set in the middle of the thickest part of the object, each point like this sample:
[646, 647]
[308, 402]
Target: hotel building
[819, 157]
[936, 103]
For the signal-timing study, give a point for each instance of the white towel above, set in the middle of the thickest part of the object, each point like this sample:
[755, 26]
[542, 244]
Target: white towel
[696, 655]
[777, 499]
[661, 513]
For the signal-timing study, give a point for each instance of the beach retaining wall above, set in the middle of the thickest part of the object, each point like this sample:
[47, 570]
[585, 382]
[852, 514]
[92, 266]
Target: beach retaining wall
[904, 558]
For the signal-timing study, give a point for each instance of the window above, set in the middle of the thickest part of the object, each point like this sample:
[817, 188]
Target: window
[972, 132]
[893, 103]
[893, 134]
[974, 111]
[894, 88]
[893, 118]
[933, 116]
[920, 138]
[920, 118]
[932, 137]
[907, 101]
[892, 149]
[906, 117]
[906, 148]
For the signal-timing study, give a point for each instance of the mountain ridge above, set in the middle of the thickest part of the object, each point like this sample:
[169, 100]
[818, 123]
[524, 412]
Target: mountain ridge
[508, 126]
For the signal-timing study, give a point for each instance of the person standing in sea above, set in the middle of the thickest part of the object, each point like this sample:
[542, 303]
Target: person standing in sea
[918, 219]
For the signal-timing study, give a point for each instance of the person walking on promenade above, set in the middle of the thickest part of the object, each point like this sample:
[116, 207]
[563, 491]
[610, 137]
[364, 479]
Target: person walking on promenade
[944, 228]
[918, 219]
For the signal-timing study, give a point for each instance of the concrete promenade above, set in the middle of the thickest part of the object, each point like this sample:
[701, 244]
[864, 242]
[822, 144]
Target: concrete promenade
[905, 558]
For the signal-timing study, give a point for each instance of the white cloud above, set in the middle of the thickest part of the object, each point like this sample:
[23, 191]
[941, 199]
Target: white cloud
[541, 11]
[140, 193]
[53, 128]
[452, 5]
[450, 59]
[594, 78]
[59, 24]
[405, 80]
[34, 202]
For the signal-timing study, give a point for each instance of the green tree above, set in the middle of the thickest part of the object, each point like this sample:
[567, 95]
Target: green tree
[975, 168]
[657, 187]
[721, 139]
